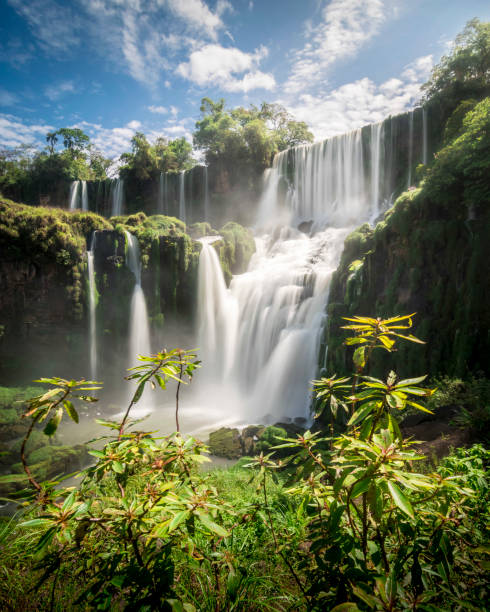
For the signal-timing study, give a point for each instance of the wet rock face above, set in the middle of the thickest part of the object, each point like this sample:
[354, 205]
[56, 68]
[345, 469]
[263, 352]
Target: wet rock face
[305, 227]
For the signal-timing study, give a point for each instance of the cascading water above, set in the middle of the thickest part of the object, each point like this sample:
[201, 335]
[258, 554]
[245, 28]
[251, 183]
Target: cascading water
[162, 193]
[74, 195]
[182, 211]
[410, 150]
[260, 338]
[84, 196]
[139, 328]
[117, 198]
[92, 302]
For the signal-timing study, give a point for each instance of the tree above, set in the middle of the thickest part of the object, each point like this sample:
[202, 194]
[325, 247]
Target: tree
[74, 139]
[465, 72]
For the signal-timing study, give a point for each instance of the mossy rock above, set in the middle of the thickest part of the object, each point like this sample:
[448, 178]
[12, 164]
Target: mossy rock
[45, 463]
[199, 230]
[225, 442]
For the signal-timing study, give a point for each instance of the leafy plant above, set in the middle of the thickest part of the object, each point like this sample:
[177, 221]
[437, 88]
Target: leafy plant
[382, 536]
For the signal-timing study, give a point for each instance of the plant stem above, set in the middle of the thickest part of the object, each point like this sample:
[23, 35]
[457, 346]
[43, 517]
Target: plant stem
[177, 396]
[31, 478]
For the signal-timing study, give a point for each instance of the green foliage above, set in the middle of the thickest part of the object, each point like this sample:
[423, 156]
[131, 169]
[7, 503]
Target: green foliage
[465, 71]
[355, 526]
[146, 161]
[246, 136]
[271, 436]
[382, 535]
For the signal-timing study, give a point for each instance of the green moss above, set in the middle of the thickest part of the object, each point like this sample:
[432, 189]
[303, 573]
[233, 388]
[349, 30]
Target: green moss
[41, 235]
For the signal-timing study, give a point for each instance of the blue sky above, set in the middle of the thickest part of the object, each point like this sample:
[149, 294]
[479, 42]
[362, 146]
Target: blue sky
[113, 67]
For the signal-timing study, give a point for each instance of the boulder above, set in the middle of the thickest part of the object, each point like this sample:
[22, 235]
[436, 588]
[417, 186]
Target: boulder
[225, 442]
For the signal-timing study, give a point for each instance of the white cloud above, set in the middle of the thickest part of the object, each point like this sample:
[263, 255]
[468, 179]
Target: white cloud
[355, 104]
[217, 65]
[196, 15]
[54, 92]
[14, 132]
[7, 98]
[346, 25]
[56, 26]
[174, 111]
[158, 110]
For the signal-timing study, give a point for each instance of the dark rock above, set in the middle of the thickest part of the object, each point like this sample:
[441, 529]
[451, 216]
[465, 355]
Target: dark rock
[305, 227]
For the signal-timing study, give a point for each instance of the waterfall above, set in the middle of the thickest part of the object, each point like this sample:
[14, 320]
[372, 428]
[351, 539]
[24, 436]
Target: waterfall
[217, 313]
[425, 143]
[73, 200]
[182, 196]
[259, 339]
[139, 327]
[161, 193]
[410, 150]
[92, 302]
[377, 134]
[117, 198]
[84, 196]
[206, 195]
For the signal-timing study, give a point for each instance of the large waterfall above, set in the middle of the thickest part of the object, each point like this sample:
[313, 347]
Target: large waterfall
[260, 338]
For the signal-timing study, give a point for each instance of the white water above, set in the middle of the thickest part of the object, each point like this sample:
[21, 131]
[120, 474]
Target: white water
[162, 194]
[92, 302]
[139, 327]
[73, 202]
[182, 211]
[84, 196]
[410, 150]
[259, 339]
[117, 198]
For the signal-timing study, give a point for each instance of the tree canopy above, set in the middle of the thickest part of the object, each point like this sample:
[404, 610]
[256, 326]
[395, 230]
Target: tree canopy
[465, 71]
[249, 135]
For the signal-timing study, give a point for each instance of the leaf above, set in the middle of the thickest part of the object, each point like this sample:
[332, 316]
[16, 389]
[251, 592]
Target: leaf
[117, 467]
[400, 500]
[361, 413]
[177, 520]
[69, 501]
[360, 487]
[53, 422]
[70, 409]
[212, 526]
[411, 338]
[139, 392]
[359, 357]
[346, 607]
[408, 382]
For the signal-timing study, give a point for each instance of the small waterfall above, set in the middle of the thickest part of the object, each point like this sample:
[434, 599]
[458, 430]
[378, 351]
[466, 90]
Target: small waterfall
[139, 327]
[377, 134]
[84, 196]
[117, 198]
[425, 144]
[92, 302]
[206, 195]
[410, 150]
[217, 313]
[73, 202]
[182, 210]
[161, 194]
